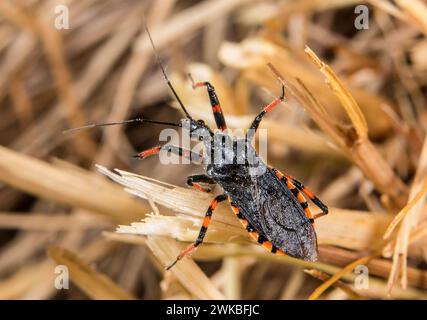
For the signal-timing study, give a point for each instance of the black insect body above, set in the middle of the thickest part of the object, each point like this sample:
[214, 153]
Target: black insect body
[269, 204]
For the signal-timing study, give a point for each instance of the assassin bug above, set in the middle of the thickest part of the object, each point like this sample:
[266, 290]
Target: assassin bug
[270, 205]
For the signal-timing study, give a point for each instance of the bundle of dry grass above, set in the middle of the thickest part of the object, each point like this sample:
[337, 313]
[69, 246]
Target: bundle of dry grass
[352, 127]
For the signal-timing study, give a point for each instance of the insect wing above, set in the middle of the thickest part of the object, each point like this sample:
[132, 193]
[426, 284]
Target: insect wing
[282, 219]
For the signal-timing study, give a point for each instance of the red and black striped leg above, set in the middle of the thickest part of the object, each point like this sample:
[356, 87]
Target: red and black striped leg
[194, 181]
[203, 229]
[216, 107]
[172, 149]
[311, 196]
[255, 124]
[297, 188]
[258, 237]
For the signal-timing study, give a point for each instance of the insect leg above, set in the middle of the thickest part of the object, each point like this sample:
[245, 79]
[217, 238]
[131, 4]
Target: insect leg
[258, 237]
[173, 149]
[203, 229]
[216, 106]
[193, 181]
[295, 186]
[311, 196]
[255, 124]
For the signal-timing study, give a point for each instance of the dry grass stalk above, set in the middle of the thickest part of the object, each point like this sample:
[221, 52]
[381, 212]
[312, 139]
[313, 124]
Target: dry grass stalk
[93, 283]
[410, 217]
[129, 81]
[49, 222]
[294, 285]
[251, 55]
[78, 189]
[415, 202]
[95, 72]
[52, 42]
[417, 11]
[190, 204]
[187, 272]
[377, 288]
[378, 267]
[50, 80]
[363, 153]
[339, 284]
[392, 10]
[323, 287]
[343, 94]
[27, 281]
[232, 282]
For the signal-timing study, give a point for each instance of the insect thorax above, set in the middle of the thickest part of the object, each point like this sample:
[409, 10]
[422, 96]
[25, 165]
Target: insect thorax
[232, 158]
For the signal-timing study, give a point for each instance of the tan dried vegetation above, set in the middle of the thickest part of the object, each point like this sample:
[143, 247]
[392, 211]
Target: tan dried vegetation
[352, 128]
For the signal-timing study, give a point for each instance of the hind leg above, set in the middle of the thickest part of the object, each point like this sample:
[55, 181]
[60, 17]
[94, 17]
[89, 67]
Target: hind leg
[297, 188]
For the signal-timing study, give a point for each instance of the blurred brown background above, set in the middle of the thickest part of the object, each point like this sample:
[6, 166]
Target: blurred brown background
[368, 157]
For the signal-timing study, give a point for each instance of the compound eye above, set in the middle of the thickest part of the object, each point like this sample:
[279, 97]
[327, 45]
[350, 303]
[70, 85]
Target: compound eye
[201, 122]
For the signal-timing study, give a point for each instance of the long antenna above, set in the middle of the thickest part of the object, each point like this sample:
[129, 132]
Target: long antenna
[159, 62]
[140, 120]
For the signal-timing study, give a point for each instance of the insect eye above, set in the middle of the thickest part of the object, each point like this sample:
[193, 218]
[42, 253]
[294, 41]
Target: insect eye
[201, 122]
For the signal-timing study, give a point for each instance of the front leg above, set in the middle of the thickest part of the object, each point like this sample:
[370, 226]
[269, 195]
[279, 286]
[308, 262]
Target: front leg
[192, 156]
[216, 106]
[193, 181]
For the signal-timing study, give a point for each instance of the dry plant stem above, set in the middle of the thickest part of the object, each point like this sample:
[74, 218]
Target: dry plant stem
[44, 289]
[94, 284]
[186, 271]
[410, 216]
[48, 222]
[52, 43]
[252, 54]
[21, 101]
[231, 271]
[331, 258]
[322, 288]
[377, 267]
[392, 10]
[97, 69]
[362, 152]
[347, 101]
[78, 190]
[190, 20]
[29, 276]
[22, 248]
[293, 285]
[213, 252]
[339, 284]
[417, 11]
[130, 78]
[404, 212]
